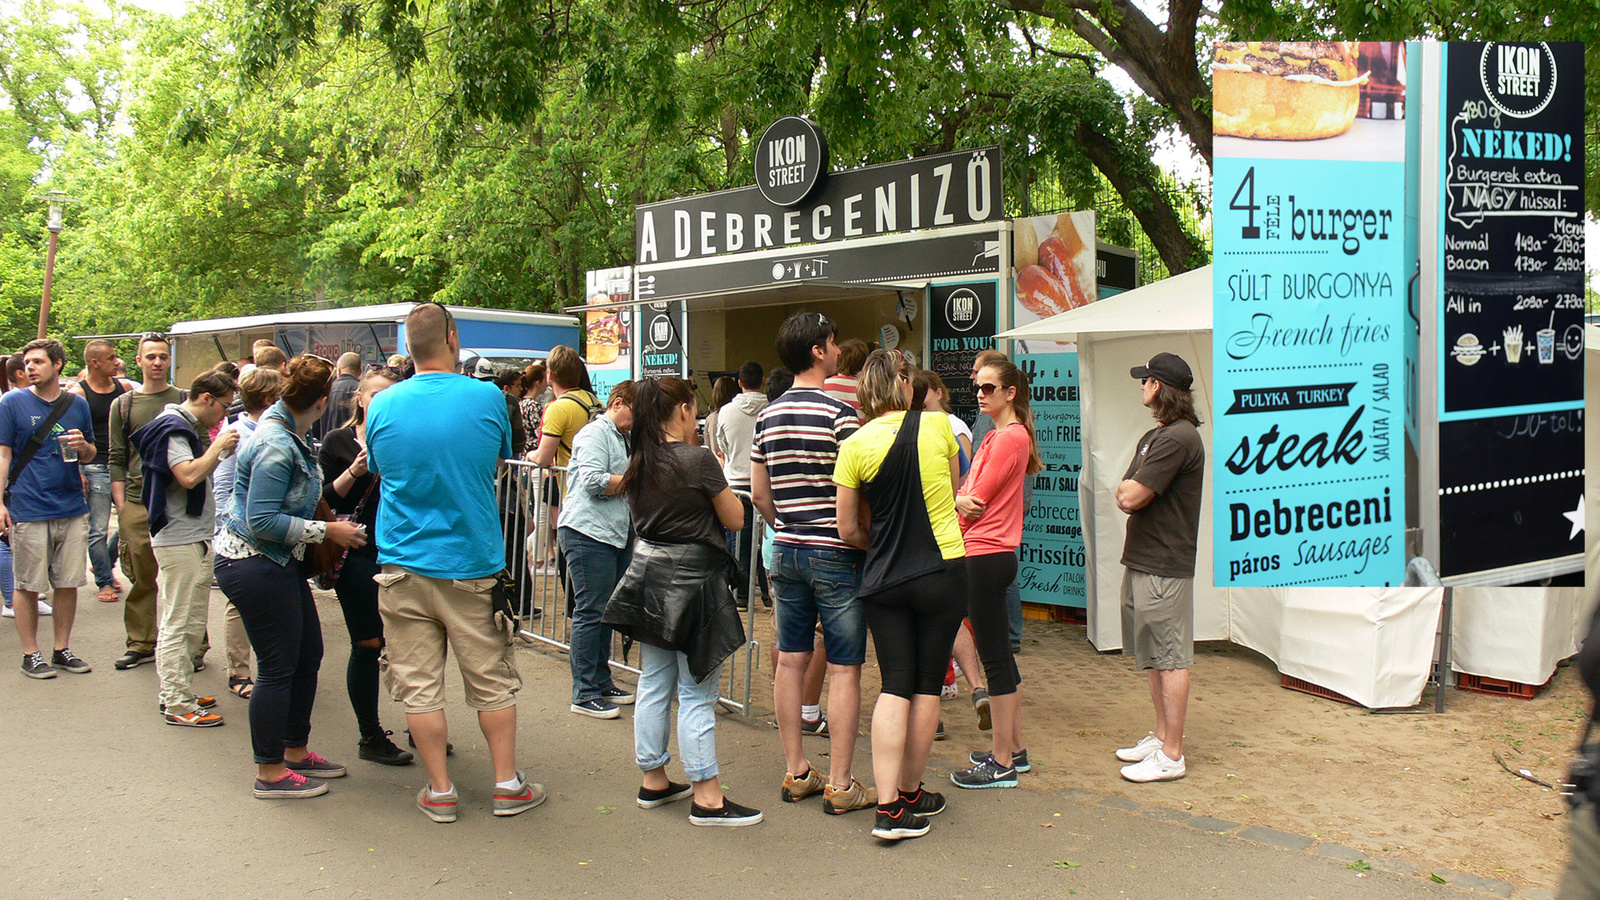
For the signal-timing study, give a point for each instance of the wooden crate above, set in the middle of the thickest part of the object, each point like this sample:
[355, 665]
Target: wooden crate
[1306, 687]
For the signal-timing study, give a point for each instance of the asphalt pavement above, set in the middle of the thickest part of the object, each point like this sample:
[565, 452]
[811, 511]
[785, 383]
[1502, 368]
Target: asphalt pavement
[109, 801]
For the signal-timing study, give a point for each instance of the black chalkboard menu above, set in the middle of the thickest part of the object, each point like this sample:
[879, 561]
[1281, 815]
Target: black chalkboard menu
[1513, 226]
[1511, 319]
[961, 323]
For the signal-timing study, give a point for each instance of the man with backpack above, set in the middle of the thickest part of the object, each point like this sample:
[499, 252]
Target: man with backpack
[132, 411]
[573, 407]
[44, 434]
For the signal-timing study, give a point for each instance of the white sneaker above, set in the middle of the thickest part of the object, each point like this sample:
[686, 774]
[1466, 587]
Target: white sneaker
[45, 609]
[1140, 751]
[9, 613]
[1155, 767]
[947, 692]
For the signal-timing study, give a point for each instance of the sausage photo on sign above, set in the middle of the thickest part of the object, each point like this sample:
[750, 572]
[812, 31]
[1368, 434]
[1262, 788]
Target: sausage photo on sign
[1051, 272]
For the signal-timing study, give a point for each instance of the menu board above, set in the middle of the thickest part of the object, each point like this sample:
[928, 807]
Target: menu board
[1308, 299]
[960, 325]
[1513, 226]
[1050, 562]
[1511, 259]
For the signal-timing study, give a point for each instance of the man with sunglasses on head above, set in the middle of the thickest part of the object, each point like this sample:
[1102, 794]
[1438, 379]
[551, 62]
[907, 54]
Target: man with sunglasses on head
[815, 573]
[130, 412]
[1161, 495]
[100, 386]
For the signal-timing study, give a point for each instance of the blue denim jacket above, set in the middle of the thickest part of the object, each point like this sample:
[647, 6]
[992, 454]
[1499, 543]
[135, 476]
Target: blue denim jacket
[598, 452]
[275, 489]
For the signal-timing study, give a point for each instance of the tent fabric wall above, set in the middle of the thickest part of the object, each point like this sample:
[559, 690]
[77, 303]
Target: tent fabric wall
[1373, 645]
[1113, 422]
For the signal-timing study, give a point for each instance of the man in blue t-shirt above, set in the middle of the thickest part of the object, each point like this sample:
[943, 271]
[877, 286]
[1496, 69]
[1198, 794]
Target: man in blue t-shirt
[46, 516]
[436, 440]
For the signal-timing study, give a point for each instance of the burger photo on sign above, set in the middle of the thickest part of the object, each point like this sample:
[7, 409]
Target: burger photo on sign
[1284, 91]
[603, 336]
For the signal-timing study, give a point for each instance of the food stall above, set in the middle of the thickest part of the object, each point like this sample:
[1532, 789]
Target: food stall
[915, 254]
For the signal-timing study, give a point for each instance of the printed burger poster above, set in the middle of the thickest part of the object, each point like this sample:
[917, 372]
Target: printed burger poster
[1308, 299]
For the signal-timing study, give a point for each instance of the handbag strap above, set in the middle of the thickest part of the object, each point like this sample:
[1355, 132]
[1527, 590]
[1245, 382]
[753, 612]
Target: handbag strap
[36, 442]
[362, 506]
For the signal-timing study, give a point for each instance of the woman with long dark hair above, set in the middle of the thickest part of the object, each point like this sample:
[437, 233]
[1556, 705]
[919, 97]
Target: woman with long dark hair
[900, 470]
[991, 508]
[352, 490]
[259, 567]
[676, 599]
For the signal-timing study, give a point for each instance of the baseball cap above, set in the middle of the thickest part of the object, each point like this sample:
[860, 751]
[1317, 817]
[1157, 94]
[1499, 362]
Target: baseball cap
[1167, 368]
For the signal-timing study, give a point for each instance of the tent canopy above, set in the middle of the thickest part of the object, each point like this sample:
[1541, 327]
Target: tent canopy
[1179, 303]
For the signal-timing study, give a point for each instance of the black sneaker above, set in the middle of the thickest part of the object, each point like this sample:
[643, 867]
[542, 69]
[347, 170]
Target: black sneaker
[68, 661]
[199, 662]
[938, 733]
[649, 799]
[987, 774]
[449, 748]
[132, 659]
[924, 802]
[616, 695]
[898, 824]
[730, 815]
[1019, 759]
[34, 666]
[383, 751]
[815, 727]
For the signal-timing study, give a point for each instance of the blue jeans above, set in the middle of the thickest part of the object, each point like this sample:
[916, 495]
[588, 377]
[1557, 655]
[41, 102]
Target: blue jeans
[593, 569]
[99, 477]
[281, 619]
[660, 673]
[7, 581]
[815, 583]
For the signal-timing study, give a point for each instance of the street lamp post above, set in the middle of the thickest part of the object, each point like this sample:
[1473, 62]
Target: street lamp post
[56, 199]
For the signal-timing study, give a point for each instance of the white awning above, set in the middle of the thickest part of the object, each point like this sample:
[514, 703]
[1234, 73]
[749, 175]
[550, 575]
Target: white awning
[1179, 303]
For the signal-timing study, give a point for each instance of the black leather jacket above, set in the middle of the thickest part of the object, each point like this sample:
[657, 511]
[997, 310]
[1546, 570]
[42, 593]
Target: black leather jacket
[679, 597]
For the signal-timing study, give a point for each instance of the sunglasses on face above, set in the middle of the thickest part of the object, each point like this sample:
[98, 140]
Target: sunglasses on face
[1144, 381]
[985, 388]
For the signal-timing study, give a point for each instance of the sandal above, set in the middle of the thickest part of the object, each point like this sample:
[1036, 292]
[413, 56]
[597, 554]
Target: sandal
[241, 686]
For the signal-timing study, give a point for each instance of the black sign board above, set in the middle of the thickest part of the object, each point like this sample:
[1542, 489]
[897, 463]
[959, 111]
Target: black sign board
[791, 161]
[1509, 490]
[939, 191]
[661, 340]
[912, 258]
[1511, 328]
[961, 322]
[1513, 232]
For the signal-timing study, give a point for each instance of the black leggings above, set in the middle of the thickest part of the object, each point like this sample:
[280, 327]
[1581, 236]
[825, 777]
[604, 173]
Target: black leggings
[358, 597]
[913, 627]
[988, 576]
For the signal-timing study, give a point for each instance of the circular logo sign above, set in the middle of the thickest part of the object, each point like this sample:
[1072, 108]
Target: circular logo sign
[889, 337]
[1519, 79]
[791, 161]
[660, 332]
[961, 310]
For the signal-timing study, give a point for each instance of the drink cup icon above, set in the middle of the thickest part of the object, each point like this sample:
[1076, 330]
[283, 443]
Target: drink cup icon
[1547, 345]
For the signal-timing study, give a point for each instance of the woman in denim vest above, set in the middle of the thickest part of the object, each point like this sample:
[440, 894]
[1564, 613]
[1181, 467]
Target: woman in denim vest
[259, 551]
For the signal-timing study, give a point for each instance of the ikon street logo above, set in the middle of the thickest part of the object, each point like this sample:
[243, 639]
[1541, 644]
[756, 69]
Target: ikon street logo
[961, 310]
[1519, 79]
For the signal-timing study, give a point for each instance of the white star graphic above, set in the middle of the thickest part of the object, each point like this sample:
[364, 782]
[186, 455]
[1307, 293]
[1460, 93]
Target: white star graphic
[1576, 518]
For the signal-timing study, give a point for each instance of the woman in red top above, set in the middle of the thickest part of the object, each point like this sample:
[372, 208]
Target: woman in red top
[990, 508]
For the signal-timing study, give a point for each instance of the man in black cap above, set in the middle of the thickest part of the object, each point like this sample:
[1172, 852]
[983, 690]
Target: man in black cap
[1161, 495]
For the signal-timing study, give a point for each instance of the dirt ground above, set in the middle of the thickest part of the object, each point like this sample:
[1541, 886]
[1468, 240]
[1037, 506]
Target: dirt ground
[1424, 788]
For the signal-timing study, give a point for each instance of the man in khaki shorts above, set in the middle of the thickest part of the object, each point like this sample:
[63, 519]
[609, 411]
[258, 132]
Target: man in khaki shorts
[1161, 495]
[436, 441]
[46, 515]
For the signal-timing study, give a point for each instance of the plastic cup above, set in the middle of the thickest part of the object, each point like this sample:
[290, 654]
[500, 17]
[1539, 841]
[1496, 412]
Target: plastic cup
[1547, 345]
[69, 453]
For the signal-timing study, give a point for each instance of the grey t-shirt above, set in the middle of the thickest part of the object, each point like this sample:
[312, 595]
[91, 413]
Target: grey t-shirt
[682, 512]
[182, 528]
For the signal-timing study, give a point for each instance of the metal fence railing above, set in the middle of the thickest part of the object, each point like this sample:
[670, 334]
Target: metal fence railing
[524, 494]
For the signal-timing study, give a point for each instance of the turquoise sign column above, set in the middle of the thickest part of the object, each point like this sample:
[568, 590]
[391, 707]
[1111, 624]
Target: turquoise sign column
[1309, 290]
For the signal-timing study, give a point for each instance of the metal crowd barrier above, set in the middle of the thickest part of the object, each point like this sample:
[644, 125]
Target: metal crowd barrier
[523, 495]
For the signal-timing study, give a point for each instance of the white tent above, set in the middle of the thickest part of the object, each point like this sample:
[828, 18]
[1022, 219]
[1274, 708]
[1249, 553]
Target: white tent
[1374, 645]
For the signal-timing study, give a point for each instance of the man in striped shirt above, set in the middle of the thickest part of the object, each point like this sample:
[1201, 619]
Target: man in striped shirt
[815, 573]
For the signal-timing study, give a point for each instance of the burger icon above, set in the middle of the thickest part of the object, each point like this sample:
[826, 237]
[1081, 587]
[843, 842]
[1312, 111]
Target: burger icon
[1467, 350]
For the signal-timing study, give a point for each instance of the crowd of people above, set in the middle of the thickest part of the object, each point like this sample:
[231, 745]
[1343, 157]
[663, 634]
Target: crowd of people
[890, 519]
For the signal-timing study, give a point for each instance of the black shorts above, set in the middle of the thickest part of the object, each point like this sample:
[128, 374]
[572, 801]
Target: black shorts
[914, 626]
